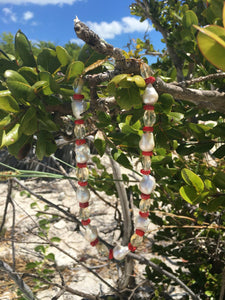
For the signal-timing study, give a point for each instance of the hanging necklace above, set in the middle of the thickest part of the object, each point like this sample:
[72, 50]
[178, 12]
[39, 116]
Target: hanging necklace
[146, 185]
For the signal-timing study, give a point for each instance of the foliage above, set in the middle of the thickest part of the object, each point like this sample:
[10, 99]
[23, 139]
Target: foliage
[187, 165]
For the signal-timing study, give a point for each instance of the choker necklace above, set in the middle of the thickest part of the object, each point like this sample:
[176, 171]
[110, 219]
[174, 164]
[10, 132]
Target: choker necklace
[146, 185]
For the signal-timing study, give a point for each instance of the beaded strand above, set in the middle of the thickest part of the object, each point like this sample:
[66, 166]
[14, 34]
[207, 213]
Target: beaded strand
[146, 185]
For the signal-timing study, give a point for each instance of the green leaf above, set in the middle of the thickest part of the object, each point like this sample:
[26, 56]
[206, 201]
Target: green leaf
[211, 42]
[104, 118]
[121, 158]
[52, 86]
[21, 147]
[192, 179]
[175, 117]
[40, 248]
[63, 56]
[5, 119]
[11, 75]
[128, 97]
[139, 80]
[218, 130]
[30, 74]
[167, 101]
[220, 152]
[48, 60]
[215, 204]
[74, 70]
[7, 102]
[45, 144]
[189, 19]
[219, 180]
[100, 143]
[31, 265]
[23, 49]
[29, 121]
[50, 256]
[188, 193]
[11, 136]
[88, 56]
[21, 90]
[55, 239]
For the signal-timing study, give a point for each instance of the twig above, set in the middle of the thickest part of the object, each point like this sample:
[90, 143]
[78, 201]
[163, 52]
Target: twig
[201, 79]
[143, 260]
[222, 290]
[16, 278]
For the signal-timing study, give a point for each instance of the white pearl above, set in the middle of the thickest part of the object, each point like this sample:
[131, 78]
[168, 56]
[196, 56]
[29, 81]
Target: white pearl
[147, 142]
[150, 95]
[142, 223]
[82, 194]
[91, 233]
[82, 153]
[120, 252]
[147, 184]
[78, 107]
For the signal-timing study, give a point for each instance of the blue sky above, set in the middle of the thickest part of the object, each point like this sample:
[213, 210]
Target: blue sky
[52, 20]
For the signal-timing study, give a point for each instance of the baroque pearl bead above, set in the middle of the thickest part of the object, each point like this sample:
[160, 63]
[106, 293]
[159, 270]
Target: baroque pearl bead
[91, 233]
[142, 223]
[120, 252]
[147, 142]
[82, 194]
[150, 95]
[82, 153]
[147, 184]
[78, 107]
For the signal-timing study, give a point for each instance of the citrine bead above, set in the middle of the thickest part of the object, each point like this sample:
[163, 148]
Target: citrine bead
[136, 240]
[145, 205]
[84, 213]
[79, 131]
[102, 249]
[146, 162]
[82, 174]
[149, 118]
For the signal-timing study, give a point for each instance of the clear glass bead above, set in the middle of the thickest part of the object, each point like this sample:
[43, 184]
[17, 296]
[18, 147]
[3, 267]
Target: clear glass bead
[82, 194]
[142, 223]
[120, 252]
[150, 95]
[149, 118]
[136, 240]
[82, 153]
[82, 174]
[145, 205]
[146, 162]
[102, 249]
[91, 233]
[147, 142]
[84, 213]
[147, 184]
[79, 131]
[78, 107]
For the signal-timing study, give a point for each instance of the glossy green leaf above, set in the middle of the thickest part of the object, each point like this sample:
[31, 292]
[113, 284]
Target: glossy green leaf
[21, 147]
[11, 75]
[48, 60]
[192, 179]
[7, 65]
[63, 56]
[55, 239]
[220, 152]
[23, 49]
[215, 204]
[219, 180]
[211, 42]
[21, 90]
[189, 19]
[88, 56]
[104, 118]
[30, 74]
[52, 86]
[74, 70]
[121, 158]
[29, 122]
[139, 80]
[45, 144]
[175, 117]
[7, 102]
[10, 136]
[128, 97]
[166, 101]
[188, 193]
[5, 119]
[100, 143]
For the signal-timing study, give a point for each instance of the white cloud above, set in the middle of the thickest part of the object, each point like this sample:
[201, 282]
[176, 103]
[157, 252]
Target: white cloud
[77, 41]
[28, 15]
[126, 25]
[9, 15]
[38, 2]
